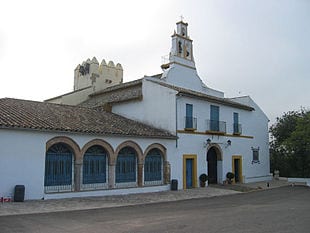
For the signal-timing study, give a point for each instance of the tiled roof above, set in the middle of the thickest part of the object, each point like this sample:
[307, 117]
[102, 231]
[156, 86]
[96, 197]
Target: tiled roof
[115, 94]
[213, 99]
[25, 114]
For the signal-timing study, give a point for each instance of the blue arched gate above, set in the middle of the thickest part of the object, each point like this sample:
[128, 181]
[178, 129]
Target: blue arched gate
[126, 166]
[94, 165]
[153, 166]
[58, 166]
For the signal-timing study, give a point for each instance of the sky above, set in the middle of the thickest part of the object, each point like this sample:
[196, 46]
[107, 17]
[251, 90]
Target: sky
[259, 48]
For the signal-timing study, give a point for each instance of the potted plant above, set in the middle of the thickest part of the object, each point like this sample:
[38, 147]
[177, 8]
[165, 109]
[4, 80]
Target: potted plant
[229, 177]
[203, 178]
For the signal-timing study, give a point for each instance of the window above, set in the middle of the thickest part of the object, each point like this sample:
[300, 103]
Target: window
[183, 32]
[236, 125]
[94, 165]
[214, 118]
[180, 47]
[58, 166]
[255, 155]
[189, 117]
[153, 166]
[126, 165]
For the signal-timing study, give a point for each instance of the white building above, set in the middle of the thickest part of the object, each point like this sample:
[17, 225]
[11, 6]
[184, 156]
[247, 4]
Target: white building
[175, 127]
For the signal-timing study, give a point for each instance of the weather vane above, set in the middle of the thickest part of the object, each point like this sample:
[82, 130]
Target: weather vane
[181, 16]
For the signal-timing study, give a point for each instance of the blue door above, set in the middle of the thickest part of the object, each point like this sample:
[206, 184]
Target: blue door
[153, 166]
[58, 166]
[94, 165]
[126, 166]
[189, 173]
[214, 117]
[189, 116]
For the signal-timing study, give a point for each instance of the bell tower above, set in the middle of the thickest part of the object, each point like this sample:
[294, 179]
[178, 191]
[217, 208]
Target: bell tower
[182, 47]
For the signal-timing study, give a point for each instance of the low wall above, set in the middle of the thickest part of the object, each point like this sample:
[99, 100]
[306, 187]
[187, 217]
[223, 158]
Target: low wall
[257, 179]
[305, 181]
[107, 192]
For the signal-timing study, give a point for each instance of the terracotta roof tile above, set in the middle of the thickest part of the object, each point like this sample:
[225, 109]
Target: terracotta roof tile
[115, 94]
[25, 114]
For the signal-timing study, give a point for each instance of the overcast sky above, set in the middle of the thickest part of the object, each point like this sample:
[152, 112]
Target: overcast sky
[249, 47]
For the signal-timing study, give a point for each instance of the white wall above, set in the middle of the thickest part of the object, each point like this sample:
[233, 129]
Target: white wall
[194, 144]
[22, 155]
[182, 76]
[254, 124]
[157, 107]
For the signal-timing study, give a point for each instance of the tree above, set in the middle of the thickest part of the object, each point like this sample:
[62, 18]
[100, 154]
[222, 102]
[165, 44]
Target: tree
[290, 144]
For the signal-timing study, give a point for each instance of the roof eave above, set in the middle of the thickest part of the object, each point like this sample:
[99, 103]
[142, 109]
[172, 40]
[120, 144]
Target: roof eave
[172, 137]
[118, 87]
[218, 101]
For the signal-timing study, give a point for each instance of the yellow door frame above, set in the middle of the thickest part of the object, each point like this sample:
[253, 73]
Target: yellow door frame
[194, 157]
[240, 167]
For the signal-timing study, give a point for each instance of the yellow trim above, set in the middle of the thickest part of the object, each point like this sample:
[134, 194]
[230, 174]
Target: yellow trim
[189, 129]
[194, 157]
[208, 133]
[215, 132]
[240, 167]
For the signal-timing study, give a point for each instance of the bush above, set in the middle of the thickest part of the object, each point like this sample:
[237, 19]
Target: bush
[203, 177]
[230, 175]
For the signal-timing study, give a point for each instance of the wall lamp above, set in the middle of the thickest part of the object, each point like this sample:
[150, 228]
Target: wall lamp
[228, 143]
[207, 142]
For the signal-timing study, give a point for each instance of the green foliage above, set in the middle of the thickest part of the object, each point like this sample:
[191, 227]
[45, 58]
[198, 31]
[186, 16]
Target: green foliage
[284, 126]
[203, 177]
[230, 175]
[290, 145]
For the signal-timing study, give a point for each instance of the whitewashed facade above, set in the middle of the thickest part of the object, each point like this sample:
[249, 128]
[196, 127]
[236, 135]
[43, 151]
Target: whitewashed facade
[245, 153]
[208, 133]
[24, 164]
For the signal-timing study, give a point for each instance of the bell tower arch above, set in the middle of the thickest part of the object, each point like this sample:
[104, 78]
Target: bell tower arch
[182, 46]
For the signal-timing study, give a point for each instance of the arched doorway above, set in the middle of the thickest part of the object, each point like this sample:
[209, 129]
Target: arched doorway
[126, 166]
[153, 167]
[95, 165]
[58, 168]
[212, 165]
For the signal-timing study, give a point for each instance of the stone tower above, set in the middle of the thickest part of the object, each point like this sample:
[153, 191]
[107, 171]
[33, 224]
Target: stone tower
[90, 73]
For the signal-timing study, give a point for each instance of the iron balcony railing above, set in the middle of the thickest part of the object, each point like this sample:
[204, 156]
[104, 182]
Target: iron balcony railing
[237, 128]
[190, 123]
[216, 126]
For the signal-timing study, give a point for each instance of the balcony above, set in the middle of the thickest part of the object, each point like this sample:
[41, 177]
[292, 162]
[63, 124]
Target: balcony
[215, 127]
[190, 123]
[237, 129]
